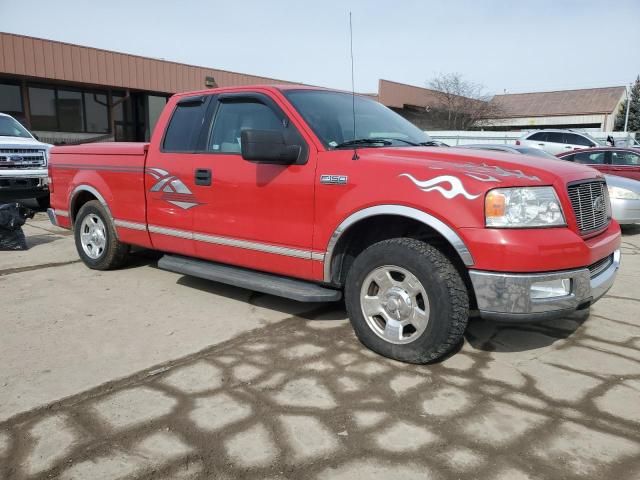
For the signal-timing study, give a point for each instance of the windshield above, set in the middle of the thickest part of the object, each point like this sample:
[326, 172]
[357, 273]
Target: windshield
[9, 127]
[330, 115]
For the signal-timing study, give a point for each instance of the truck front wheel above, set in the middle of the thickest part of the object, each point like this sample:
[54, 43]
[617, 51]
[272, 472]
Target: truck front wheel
[406, 300]
[96, 239]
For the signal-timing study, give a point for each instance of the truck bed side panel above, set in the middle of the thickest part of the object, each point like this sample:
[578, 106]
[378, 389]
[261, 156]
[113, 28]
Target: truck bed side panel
[117, 179]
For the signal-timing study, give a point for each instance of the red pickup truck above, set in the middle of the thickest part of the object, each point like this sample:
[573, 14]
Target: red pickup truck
[281, 189]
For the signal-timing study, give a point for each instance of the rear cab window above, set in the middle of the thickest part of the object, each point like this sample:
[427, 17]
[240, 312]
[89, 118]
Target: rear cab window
[185, 125]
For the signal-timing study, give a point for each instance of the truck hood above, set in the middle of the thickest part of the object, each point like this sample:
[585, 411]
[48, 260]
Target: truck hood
[21, 142]
[481, 166]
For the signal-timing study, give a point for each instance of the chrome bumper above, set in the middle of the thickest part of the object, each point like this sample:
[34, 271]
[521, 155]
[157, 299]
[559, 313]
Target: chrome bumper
[51, 213]
[507, 296]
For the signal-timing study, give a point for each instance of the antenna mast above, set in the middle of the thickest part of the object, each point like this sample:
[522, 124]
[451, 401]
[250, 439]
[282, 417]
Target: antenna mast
[353, 89]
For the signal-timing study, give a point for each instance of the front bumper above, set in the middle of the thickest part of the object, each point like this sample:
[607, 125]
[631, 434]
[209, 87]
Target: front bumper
[507, 296]
[23, 183]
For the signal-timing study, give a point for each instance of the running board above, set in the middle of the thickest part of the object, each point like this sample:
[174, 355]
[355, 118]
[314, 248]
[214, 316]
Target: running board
[250, 279]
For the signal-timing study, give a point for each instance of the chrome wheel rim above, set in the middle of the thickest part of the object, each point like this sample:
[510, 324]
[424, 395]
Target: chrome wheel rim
[394, 304]
[93, 236]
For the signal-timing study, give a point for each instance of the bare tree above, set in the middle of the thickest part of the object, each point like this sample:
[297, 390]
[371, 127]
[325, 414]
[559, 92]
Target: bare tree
[461, 104]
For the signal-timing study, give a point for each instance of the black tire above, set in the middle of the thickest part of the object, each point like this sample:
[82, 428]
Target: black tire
[43, 202]
[114, 253]
[447, 295]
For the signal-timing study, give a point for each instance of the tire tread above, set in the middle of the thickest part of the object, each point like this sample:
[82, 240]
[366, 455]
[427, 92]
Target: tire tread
[454, 284]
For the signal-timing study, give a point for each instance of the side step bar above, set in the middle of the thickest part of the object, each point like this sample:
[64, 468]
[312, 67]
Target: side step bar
[250, 279]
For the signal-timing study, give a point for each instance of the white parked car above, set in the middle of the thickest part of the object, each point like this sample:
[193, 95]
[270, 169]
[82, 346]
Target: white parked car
[557, 141]
[23, 163]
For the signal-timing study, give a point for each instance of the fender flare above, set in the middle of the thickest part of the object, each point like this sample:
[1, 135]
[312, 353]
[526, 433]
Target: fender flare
[399, 210]
[88, 188]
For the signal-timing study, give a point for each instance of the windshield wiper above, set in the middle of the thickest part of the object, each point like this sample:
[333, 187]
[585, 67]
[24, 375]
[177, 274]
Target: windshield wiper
[363, 141]
[413, 144]
[430, 143]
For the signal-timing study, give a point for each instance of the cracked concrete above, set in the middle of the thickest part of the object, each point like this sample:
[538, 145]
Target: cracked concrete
[252, 387]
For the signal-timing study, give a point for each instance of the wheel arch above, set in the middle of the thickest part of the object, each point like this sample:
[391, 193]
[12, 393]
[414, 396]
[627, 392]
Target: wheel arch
[334, 261]
[82, 194]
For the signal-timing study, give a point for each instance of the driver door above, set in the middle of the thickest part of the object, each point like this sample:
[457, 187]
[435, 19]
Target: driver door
[254, 215]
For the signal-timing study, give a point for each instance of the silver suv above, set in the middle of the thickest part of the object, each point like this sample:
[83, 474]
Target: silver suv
[557, 141]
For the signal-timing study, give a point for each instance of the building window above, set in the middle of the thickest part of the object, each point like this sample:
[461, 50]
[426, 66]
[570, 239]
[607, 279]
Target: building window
[95, 105]
[42, 103]
[70, 112]
[65, 110]
[11, 101]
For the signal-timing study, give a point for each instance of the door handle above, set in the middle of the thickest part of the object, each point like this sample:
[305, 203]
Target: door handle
[203, 176]
[541, 144]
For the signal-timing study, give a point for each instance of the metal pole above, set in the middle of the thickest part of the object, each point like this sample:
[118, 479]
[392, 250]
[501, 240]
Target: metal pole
[626, 118]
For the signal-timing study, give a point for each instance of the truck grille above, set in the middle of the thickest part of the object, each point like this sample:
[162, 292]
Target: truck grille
[21, 158]
[590, 202]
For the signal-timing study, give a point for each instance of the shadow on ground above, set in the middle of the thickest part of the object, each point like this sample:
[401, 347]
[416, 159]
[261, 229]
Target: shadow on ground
[303, 399]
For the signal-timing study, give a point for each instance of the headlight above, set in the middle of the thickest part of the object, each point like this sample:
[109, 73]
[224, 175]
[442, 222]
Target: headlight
[523, 207]
[623, 194]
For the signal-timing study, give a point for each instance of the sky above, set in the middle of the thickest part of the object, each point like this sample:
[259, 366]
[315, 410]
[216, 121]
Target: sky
[512, 45]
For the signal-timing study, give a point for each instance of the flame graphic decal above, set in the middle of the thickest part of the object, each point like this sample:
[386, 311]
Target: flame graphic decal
[436, 184]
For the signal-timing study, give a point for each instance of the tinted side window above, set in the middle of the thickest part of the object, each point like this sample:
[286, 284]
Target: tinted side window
[574, 139]
[184, 127]
[590, 158]
[625, 158]
[555, 137]
[571, 158]
[233, 117]
[540, 136]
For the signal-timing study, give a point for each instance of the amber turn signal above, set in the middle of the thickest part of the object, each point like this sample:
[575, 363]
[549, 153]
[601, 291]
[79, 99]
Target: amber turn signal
[495, 204]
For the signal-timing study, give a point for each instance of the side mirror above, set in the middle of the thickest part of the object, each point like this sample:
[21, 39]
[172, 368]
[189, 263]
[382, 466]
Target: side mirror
[267, 146]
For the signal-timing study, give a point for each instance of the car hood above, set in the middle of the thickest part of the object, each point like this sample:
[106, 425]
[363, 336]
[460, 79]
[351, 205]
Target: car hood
[481, 166]
[623, 182]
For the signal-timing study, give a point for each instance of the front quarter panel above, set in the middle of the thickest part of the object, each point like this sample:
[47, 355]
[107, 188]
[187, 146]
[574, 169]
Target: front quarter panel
[455, 200]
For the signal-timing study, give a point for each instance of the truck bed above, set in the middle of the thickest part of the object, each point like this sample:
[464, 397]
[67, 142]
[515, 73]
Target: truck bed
[115, 170]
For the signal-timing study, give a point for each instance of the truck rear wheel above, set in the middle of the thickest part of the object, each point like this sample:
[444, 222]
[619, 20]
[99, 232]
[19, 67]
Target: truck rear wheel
[406, 300]
[96, 239]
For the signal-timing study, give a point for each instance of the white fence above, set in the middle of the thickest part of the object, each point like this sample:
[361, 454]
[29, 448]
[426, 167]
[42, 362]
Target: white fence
[464, 137]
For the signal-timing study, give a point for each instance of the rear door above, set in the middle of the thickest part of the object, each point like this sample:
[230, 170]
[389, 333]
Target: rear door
[172, 196]
[555, 143]
[573, 141]
[255, 215]
[538, 140]
[625, 163]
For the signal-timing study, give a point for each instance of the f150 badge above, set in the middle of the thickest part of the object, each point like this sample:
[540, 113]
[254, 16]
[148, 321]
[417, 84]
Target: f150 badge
[334, 179]
[172, 188]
